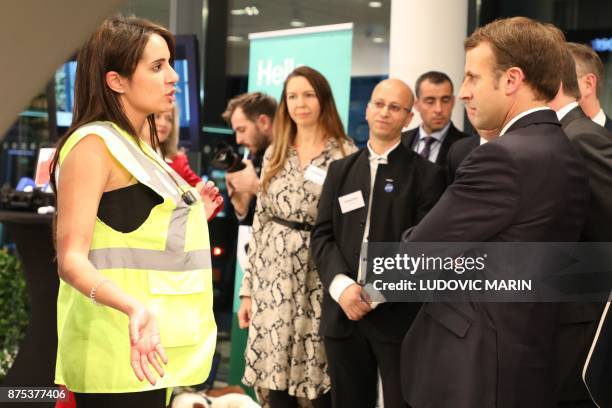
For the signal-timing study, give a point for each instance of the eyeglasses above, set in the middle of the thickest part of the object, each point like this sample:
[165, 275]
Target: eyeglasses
[392, 107]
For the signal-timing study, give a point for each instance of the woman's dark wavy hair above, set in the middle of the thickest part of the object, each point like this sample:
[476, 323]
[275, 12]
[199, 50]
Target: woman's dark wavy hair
[117, 46]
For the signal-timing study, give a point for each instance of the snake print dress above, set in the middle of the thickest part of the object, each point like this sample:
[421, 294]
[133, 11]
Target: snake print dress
[284, 350]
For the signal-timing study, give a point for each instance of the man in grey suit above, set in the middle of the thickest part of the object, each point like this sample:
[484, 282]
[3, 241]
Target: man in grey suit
[528, 185]
[578, 321]
[590, 71]
[594, 143]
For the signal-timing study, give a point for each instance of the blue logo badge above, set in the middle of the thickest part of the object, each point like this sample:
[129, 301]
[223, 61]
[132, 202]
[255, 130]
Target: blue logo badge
[388, 187]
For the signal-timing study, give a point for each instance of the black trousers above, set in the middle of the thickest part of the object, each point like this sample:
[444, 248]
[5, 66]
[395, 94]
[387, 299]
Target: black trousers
[149, 399]
[354, 363]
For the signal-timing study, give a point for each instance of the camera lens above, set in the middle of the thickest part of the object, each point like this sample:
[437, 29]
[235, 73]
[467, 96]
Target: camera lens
[225, 158]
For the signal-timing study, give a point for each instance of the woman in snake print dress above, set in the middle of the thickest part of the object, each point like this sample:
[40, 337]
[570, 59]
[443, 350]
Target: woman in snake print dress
[281, 293]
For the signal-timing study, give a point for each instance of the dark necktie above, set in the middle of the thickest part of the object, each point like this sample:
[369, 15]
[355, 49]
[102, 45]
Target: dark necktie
[428, 140]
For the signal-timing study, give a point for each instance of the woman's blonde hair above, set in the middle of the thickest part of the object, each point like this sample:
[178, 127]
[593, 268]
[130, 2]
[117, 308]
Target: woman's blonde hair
[169, 147]
[285, 128]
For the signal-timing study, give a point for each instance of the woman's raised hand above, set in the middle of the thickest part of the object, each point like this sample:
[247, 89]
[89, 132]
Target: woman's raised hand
[213, 201]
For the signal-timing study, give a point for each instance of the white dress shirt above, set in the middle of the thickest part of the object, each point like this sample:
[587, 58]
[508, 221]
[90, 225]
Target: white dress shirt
[566, 109]
[600, 118]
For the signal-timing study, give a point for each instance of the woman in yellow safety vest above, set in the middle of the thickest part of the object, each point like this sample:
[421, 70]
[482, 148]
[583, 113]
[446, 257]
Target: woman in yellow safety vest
[134, 306]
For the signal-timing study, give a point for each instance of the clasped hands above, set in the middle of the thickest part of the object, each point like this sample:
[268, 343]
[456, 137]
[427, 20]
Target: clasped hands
[353, 304]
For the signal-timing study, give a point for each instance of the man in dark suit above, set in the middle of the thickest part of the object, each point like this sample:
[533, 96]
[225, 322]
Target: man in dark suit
[435, 102]
[590, 71]
[371, 195]
[528, 185]
[578, 321]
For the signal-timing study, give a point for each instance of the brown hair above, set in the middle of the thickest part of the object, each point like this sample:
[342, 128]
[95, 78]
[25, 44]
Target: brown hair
[435, 77]
[117, 45]
[569, 79]
[587, 62]
[252, 104]
[526, 44]
[285, 128]
[169, 147]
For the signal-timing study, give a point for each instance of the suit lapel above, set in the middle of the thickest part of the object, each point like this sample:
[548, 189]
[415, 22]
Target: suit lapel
[358, 179]
[450, 138]
[410, 137]
[390, 178]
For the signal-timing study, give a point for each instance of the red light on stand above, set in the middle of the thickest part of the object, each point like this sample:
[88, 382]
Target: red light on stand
[217, 251]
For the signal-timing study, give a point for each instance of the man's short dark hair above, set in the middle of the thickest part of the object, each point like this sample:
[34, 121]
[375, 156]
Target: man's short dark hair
[527, 44]
[435, 77]
[252, 104]
[569, 78]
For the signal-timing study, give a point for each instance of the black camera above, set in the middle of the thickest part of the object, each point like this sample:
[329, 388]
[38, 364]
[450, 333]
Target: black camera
[225, 158]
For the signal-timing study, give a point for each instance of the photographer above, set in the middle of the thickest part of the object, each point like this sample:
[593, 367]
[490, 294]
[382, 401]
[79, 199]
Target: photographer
[251, 116]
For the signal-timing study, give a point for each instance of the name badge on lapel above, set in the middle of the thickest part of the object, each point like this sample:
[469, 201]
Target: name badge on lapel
[351, 202]
[315, 174]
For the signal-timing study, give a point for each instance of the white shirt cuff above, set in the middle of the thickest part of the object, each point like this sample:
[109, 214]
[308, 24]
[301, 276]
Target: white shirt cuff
[338, 285]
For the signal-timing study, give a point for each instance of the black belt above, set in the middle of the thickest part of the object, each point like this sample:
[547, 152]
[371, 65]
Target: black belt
[302, 226]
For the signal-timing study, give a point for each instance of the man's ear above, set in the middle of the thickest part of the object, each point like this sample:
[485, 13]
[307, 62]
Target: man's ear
[514, 77]
[590, 80]
[408, 119]
[115, 82]
[264, 122]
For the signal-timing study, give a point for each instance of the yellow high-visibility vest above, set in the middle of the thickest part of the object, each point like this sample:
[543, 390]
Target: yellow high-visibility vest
[165, 264]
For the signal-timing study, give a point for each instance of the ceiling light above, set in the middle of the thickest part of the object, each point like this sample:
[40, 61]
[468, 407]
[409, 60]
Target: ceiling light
[234, 38]
[249, 11]
[378, 40]
[297, 23]
[252, 11]
[375, 4]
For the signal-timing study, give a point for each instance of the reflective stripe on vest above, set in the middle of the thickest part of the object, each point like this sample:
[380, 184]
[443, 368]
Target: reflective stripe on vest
[149, 259]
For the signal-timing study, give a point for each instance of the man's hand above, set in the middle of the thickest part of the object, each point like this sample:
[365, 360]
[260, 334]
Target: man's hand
[243, 181]
[241, 202]
[352, 304]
